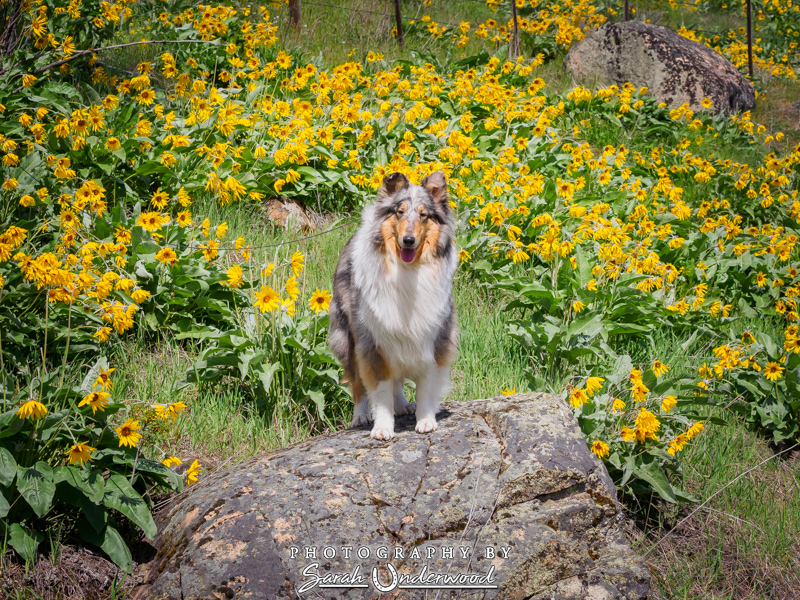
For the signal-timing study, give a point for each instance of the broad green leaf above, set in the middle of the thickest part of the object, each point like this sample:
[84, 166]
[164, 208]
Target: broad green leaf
[35, 484]
[319, 399]
[589, 325]
[622, 328]
[154, 467]
[653, 475]
[89, 482]
[120, 496]
[8, 468]
[96, 515]
[266, 373]
[10, 424]
[584, 270]
[685, 496]
[88, 382]
[54, 418]
[613, 459]
[750, 387]
[24, 540]
[52, 422]
[769, 344]
[627, 471]
[4, 506]
[114, 545]
[245, 358]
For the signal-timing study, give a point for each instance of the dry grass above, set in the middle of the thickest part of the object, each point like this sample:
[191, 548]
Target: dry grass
[745, 544]
[72, 574]
[725, 571]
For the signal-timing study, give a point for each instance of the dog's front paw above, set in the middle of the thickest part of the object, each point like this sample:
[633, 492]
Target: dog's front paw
[382, 433]
[427, 425]
[359, 420]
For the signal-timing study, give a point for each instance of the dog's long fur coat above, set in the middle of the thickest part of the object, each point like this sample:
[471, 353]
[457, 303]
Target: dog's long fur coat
[392, 315]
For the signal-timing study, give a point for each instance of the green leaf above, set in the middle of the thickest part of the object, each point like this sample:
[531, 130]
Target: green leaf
[589, 325]
[653, 475]
[769, 344]
[24, 540]
[584, 268]
[8, 467]
[621, 370]
[95, 514]
[156, 468]
[52, 421]
[4, 506]
[120, 496]
[88, 382]
[114, 545]
[10, 424]
[685, 496]
[613, 459]
[318, 398]
[35, 484]
[266, 373]
[627, 471]
[750, 387]
[89, 482]
[534, 290]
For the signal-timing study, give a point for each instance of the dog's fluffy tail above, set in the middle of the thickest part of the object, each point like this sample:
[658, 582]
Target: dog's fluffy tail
[340, 336]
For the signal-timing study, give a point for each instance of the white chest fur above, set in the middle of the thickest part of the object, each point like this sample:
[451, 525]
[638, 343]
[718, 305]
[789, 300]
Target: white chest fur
[403, 306]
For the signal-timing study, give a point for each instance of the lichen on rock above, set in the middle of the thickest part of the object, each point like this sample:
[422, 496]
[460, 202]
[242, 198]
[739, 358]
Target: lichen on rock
[505, 490]
[675, 69]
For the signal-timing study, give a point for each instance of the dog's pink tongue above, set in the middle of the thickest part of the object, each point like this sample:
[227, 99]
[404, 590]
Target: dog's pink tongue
[407, 254]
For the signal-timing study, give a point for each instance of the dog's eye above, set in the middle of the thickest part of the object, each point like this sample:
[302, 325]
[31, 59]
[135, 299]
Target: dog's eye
[400, 211]
[423, 216]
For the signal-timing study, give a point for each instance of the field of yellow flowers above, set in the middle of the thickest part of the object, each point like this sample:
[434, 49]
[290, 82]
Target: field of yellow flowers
[598, 214]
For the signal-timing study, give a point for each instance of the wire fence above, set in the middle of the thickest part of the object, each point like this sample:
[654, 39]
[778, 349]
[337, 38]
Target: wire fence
[275, 245]
[295, 15]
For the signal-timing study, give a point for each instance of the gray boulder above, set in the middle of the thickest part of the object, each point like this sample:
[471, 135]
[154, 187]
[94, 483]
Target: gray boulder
[675, 69]
[505, 497]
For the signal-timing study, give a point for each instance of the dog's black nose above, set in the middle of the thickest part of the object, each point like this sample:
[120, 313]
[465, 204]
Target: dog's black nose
[408, 240]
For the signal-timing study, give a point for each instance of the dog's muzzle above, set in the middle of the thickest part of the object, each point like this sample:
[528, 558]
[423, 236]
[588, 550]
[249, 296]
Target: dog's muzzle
[407, 251]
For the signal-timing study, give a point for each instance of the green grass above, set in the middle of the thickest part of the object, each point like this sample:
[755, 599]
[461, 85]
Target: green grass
[745, 542]
[488, 361]
[346, 29]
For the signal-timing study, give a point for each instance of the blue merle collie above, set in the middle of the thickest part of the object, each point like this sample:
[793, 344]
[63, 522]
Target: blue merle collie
[392, 316]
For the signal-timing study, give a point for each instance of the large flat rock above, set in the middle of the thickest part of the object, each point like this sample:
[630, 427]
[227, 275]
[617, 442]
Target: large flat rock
[506, 491]
[675, 69]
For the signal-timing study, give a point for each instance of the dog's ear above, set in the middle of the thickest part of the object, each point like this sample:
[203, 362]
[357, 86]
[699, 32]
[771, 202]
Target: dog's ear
[392, 184]
[436, 184]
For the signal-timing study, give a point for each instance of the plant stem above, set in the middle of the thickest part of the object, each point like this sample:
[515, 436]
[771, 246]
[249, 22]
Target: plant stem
[44, 347]
[3, 372]
[136, 462]
[66, 350]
